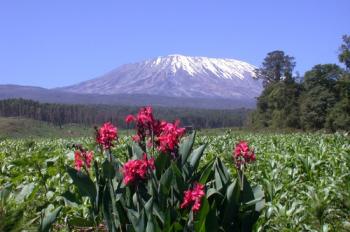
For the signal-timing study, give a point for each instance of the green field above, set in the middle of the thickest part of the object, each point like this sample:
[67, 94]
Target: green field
[305, 177]
[20, 128]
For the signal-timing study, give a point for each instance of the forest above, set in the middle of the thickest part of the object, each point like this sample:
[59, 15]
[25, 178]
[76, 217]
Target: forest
[318, 100]
[89, 115]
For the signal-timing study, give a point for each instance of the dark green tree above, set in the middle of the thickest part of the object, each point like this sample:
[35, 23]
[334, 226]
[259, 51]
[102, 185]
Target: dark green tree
[277, 107]
[344, 52]
[319, 95]
[276, 66]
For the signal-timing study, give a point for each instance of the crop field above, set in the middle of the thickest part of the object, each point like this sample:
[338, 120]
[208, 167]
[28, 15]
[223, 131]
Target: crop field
[305, 179]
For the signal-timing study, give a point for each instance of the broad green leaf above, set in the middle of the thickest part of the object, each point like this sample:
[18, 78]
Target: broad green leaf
[148, 208]
[25, 192]
[49, 218]
[201, 216]
[162, 162]
[150, 226]
[108, 169]
[80, 222]
[137, 151]
[231, 205]
[196, 156]
[211, 221]
[185, 147]
[166, 180]
[84, 184]
[206, 171]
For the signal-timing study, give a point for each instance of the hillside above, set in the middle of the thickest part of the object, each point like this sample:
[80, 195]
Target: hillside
[14, 127]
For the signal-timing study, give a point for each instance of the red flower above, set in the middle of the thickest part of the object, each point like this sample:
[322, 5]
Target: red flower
[106, 135]
[193, 197]
[82, 158]
[136, 138]
[145, 115]
[170, 136]
[243, 154]
[145, 124]
[137, 170]
[130, 118]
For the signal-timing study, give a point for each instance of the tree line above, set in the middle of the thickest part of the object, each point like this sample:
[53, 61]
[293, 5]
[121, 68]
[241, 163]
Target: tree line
[318, 100]
[89, 115]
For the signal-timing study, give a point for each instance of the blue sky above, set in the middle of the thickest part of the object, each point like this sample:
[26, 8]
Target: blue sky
[58, 43]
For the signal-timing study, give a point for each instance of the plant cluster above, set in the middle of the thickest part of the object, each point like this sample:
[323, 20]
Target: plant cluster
[161, 186]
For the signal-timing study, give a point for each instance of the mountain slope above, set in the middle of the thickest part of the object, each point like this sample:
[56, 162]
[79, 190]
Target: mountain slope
[178, 76]
[57, 96]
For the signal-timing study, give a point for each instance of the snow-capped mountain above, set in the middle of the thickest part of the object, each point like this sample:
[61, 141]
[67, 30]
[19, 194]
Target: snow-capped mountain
[178, 76]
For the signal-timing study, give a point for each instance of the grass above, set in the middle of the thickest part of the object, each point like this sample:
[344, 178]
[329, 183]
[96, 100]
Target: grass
[16, 128]
[24, 128]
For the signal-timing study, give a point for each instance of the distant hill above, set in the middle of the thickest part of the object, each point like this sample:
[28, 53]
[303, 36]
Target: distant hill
[60, 96]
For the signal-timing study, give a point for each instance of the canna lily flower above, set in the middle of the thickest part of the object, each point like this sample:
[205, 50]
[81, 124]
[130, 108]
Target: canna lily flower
[135, 171]
[242, 154]
[106, 135]
[193, 197]
[82, 158]
[170, 136]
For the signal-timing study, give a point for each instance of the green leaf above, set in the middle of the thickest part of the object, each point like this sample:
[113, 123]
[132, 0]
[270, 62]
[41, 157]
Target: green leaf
[212, 192]
[232, 205]
[108, 169]
[148, 208]
[80, 222]
[206, 171]
[107, 209]
[259, 200]
[223, 170]
[162, 162]
[70, 199]
[49, 218]
[180, 185]
[158, 213]
[196, 156]
[186, 147]
[165, 181]
[199, 224]
[137, 219]
[137, 151]
[84, 184]
[25, 192]
[150, 226]
[248, 194]
[248, 220]
[211, 221]
[51, 162]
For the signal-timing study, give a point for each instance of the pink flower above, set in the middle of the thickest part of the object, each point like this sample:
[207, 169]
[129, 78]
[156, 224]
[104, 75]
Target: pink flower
[242, 154]
[130, 118]
[136, 138]
[82, 158]
[106, 135]
[145, 123]
[193, 197]
[137, 170]
[145, 115]
[170, 135]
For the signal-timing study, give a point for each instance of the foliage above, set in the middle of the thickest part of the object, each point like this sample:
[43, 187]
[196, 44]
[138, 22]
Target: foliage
[90, 115]
[277, 107]
[165, 190]
[304, 177]
[344, 55]
[320, 101]
[275, 67]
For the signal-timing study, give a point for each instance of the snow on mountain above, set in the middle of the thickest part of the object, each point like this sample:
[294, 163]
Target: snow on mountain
[178, 76]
